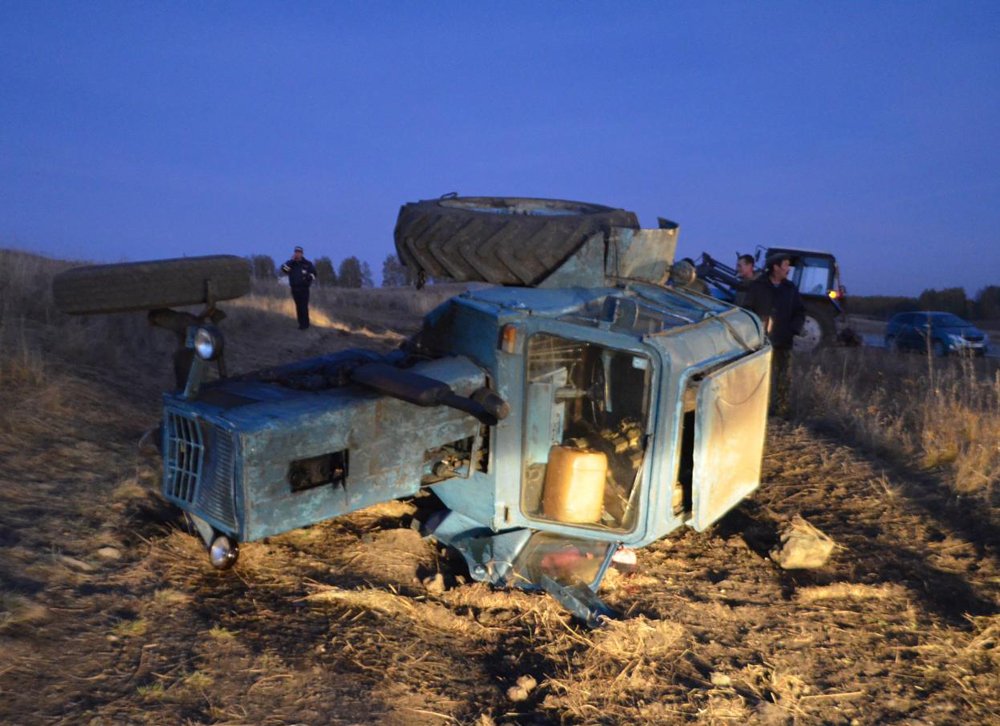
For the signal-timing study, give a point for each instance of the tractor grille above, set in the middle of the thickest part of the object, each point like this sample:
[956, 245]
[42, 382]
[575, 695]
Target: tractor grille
[199, 469]
[185, 456]
[215, 499]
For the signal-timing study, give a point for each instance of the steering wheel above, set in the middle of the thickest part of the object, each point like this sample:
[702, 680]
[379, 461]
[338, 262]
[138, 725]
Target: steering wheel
[598, 393]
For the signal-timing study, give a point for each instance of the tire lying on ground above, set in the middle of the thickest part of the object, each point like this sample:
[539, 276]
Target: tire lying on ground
[148, 285]
[500, 240]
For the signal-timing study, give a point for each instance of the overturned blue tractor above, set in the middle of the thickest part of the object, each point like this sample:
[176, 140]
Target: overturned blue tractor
[578, 405]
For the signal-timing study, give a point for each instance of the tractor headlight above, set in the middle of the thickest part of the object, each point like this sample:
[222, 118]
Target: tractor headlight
[223, 552]
[208, 342]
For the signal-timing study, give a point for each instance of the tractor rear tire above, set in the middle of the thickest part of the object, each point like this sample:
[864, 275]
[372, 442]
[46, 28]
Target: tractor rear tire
[149, 285]
[499, 240]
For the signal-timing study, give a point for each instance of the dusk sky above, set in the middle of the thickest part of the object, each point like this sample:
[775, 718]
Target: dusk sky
[140, 130]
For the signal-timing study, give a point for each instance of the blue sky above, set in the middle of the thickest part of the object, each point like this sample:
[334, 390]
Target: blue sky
[138, 130]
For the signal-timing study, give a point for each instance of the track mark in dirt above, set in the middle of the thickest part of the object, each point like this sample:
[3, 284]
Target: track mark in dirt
[880, 518]
[967, 519]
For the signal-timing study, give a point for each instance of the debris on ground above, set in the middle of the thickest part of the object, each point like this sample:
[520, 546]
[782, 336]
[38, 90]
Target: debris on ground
[434, 584]
[522, 689]
[803, 546]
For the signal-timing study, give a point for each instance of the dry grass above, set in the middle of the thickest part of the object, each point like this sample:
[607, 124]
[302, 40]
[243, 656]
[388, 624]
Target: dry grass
[933, 413]
[391, 604]
[369, 312]
[39, 343]
[622, 672]
[245, 313]
[337, 623]
[18, 611]
[849, 591]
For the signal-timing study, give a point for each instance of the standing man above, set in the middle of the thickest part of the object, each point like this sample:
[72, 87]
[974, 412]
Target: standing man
[776, 302]
[745, 272]
[301, 274]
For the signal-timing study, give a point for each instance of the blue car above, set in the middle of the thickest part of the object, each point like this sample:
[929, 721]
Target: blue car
[939, 333]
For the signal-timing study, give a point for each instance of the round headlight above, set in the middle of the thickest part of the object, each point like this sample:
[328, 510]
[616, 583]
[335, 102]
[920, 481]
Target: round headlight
[208, 342]
[223, 552]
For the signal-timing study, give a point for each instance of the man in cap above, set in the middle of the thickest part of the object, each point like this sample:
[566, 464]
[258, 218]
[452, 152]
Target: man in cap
[776, 302]
[301, 274]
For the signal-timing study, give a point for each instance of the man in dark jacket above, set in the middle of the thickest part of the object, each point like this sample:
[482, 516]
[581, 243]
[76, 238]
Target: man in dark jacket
[746, 273]
[301, 274]
[776, 302]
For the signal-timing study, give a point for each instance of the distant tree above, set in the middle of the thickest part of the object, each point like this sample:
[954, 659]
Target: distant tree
[349, 274]
[325, 274]
[949, 300]
[262, 267]
[366, 275]
[988, 303]
[395, 273]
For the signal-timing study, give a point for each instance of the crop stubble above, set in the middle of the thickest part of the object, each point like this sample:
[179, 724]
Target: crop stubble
[109, 613]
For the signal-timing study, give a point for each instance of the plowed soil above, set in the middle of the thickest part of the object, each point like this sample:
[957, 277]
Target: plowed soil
[110, 613]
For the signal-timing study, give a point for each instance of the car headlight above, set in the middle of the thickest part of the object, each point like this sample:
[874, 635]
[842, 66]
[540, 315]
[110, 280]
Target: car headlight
[207, 342]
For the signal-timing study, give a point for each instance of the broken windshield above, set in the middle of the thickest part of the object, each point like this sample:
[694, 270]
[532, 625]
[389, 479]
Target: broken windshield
[627, 314]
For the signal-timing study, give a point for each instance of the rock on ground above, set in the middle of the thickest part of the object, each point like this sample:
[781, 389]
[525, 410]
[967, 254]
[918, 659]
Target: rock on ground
[803, 546]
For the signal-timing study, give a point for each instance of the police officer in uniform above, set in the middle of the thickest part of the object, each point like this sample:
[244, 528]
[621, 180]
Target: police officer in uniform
[301, 273]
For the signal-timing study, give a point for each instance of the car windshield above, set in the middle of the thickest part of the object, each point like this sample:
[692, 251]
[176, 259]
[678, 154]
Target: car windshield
[947, 320]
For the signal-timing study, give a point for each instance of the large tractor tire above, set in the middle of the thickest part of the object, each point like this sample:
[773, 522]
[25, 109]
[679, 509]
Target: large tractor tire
[500, 240]
[149, 285]
[819, 329]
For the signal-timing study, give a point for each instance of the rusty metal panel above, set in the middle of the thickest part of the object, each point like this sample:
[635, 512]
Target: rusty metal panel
[641, 254]
[383, 439]
[730, 425]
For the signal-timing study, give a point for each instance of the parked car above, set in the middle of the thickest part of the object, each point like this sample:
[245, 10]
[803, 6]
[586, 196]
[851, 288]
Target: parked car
[940, 333]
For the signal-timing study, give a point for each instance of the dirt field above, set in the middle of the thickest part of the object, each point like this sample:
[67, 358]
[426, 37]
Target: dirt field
[109, 612]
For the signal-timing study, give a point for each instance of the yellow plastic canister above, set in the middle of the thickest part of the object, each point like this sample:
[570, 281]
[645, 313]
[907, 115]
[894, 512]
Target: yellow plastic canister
[574, 485]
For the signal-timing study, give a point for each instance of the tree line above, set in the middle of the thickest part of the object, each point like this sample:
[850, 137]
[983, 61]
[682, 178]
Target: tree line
[985, 305]
[351, 272]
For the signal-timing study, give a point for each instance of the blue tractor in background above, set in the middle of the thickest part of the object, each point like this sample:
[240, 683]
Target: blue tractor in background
[817, 277]
[576, 406]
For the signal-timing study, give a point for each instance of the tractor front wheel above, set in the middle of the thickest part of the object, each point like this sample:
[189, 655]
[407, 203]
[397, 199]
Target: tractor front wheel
[149, 285]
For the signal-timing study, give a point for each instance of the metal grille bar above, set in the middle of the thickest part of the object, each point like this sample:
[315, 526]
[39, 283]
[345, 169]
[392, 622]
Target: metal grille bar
[215, 496]
[185, 457]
